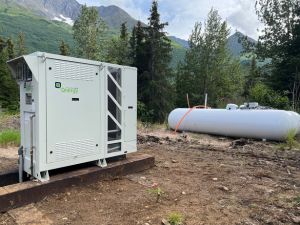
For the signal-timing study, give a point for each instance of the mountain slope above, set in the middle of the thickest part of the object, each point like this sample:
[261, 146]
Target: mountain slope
[113, 16]
[35, 19]
[68, 10]
[181, 42]
[41, 34]
[234, 44]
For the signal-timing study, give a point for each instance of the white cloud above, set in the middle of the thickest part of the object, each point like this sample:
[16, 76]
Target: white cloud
[182, 14]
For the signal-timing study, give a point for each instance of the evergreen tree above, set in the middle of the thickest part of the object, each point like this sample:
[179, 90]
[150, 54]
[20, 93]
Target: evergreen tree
[21, 49]
[118, 50]
[157, 91]
[64, 48]
[9, 90]
[88, 33]
[124, 31]
[2, 44]
[141, 59]
[138, 54]
[208, 67]
[132, 46]
[10, 48]
[252, 78]
[280, 42]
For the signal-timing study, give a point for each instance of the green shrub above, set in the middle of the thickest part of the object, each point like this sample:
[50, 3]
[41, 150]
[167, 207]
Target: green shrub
[156, 191]
[291, 139]
[175, 219]
[144, 114]
[266, 96]
[10, 138]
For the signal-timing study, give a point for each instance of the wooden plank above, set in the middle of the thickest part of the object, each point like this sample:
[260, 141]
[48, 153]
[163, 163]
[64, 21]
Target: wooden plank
[9, 177]
[18, 195]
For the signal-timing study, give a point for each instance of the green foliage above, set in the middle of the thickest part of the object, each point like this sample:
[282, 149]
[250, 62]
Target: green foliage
[64, 48]
[21, 48]
[291, 139]
[118, 50]
[297, 200]
[157, 192]
[144, 113]
[9, 90]
[252, 77]
[175, 218]
[264, 95]
[88, 33]
[208, 67]
[10, 48]
[280, 41]
[10, 138]
[151, 51]
[41, 34]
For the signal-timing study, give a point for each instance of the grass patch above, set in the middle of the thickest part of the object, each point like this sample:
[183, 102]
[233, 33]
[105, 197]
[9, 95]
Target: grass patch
[157, 192]
[152, 126]
[10, 138]
[291, 141]
[175, 218]
[297, 200]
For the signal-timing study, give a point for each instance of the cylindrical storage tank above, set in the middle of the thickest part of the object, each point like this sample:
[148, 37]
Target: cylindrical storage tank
[258, 124]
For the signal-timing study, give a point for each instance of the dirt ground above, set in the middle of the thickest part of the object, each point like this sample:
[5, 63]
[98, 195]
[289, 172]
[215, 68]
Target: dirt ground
[8, 159]
[209, 180]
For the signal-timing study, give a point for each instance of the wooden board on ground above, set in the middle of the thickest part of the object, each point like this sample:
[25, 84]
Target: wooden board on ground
[17, 195]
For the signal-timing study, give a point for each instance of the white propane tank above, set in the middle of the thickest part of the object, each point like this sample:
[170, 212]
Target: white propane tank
[258, 124]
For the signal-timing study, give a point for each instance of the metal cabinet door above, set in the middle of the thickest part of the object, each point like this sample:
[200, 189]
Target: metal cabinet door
[130, 104]
[73, 111]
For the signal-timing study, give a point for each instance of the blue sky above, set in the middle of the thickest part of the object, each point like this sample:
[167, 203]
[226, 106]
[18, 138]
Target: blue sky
[182, 14]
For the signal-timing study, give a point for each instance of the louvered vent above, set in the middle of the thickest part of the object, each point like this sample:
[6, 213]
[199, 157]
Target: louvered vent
[73, 149]
[73, 71]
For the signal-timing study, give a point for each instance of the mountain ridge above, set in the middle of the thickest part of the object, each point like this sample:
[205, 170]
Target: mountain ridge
[233, 43]
[68, 10]
[43, 32]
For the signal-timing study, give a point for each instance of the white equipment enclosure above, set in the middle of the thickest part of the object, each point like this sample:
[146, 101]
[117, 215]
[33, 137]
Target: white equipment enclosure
[73, 111]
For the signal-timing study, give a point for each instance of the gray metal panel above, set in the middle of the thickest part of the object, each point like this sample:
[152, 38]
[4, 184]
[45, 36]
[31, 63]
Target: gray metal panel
[73, 122]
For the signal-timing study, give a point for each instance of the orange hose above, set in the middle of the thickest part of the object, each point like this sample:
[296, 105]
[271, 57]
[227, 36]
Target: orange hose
[185, 115]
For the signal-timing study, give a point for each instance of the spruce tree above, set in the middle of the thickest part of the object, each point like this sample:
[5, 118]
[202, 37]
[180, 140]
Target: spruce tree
[157, 91]
[118, 50]
[9, 90]
[64, 48]
[21, 49]
[2, 44]
[138, 54]
[124, 32]
[10, 48]
[252, 77]
[141, 59]
[132, 46]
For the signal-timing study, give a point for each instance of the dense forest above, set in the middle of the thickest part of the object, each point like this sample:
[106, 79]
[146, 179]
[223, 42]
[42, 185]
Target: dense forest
[272, 77]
